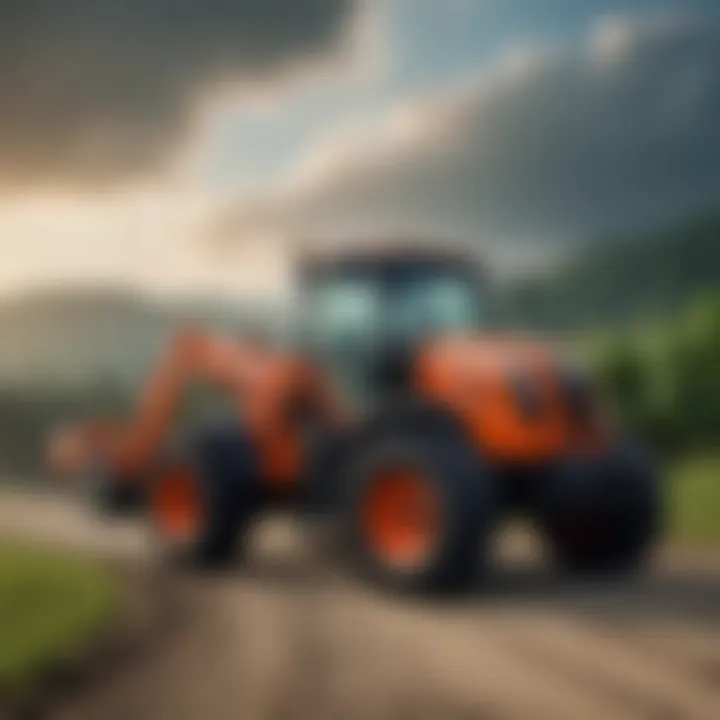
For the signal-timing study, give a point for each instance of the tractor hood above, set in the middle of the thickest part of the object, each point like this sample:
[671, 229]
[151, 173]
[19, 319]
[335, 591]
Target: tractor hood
[520, 397]
[497, 358]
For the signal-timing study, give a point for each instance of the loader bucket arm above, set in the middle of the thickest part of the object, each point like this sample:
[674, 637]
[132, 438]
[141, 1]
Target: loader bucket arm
[263, 385]
[191, 354]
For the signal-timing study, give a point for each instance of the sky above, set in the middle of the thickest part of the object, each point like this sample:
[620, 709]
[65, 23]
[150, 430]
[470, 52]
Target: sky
[194, 146]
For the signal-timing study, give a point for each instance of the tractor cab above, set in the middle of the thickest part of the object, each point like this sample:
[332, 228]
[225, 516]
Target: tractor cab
[365, 315]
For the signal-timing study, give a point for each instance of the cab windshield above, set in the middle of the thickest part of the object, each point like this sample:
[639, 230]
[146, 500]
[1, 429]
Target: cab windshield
[365, 307]
[351, 315]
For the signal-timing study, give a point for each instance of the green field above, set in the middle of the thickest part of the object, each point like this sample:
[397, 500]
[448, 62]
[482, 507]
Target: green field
[52, 603]
[694, 501]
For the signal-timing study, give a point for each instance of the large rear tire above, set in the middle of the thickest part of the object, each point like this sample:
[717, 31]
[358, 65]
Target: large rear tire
[603, 514]
[203, 499]
[417, 513]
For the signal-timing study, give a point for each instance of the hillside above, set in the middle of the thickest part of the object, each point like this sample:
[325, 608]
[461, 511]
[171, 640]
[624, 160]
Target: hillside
[79, 334]
[74, 335]
[623, 280]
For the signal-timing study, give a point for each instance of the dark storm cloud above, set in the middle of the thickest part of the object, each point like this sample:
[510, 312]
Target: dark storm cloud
[549, 145]
[95, 89]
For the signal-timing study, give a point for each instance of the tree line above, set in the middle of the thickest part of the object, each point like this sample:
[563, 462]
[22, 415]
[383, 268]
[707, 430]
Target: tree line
[665, 381]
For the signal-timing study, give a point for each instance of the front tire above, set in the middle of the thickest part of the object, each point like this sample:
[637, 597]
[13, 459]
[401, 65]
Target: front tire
[417, 513]
[203, 499]
[603, 514]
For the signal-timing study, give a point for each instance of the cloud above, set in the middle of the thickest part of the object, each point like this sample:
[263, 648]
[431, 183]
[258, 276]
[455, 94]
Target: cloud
[548, 145]
[96, 90]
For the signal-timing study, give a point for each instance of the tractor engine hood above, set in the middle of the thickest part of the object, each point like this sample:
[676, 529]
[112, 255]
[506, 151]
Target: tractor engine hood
[520, 399]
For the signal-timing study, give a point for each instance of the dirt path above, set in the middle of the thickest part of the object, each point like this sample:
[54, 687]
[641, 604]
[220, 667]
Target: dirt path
[287, 637]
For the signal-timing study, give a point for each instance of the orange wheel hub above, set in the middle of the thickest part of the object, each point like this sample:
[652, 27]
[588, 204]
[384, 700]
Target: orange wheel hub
[401, 518]
[177, 504]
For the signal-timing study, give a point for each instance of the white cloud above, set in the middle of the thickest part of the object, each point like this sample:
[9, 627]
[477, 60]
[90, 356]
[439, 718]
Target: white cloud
[94, 91]
[547, 145]
[140, 239]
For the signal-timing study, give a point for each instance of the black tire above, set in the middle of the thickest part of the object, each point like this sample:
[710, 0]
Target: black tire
[222, 461]
[603, 514]
[109, 494]
[464, 489]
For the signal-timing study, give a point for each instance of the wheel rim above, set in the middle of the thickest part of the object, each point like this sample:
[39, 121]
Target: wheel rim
[401, 518]
[177, 505]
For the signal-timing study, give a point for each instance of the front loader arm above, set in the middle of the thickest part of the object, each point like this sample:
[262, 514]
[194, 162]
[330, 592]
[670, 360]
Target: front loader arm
[192, 354]
[266, 388]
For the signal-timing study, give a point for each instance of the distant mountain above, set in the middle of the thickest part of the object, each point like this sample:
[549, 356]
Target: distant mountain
[623, 280]
[78, 335]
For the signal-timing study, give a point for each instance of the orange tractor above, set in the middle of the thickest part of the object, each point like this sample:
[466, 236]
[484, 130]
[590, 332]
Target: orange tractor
[401, 414]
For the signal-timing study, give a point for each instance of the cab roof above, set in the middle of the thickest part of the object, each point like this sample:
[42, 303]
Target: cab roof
[376, 257]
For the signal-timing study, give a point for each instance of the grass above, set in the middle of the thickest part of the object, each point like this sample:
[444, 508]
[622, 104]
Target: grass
[695, 500]
[52, 603]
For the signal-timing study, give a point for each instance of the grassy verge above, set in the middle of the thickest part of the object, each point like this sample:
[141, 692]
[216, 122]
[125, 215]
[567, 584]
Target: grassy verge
[51, 604]
[695, 500]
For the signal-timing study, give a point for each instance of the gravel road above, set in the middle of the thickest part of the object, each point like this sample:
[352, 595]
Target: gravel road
[289, 637]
